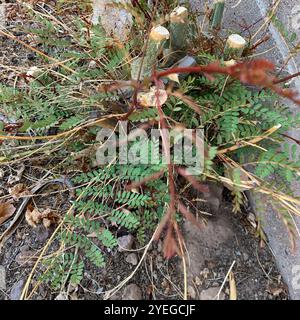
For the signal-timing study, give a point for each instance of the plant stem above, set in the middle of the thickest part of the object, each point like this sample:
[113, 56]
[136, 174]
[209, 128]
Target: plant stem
[217, 16]
[235, 46]
[292, 76]
[178, 33]
[157, 38]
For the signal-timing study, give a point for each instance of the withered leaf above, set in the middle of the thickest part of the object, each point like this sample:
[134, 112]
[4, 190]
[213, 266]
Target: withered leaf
[6, 211]
[35, 217]
[153, 97]
[19, 190]
[16, 177]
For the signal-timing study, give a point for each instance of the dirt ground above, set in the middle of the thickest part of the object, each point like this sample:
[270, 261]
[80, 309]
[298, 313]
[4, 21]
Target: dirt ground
[211, 251]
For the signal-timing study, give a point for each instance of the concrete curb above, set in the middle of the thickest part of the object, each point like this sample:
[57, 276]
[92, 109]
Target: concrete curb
[276, 50]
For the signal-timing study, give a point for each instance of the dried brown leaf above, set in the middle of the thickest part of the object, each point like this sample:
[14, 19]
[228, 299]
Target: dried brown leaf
[153, 97]
[35, 217]
[19, 190]
[170, 246]
[16, 177]
[6, 211]
[26, 257]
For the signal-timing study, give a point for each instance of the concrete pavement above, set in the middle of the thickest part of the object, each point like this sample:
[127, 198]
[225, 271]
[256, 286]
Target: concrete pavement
[248, 12]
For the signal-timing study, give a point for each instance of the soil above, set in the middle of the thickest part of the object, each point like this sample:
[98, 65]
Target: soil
[226, 239]
[229, 238]
[211, 251]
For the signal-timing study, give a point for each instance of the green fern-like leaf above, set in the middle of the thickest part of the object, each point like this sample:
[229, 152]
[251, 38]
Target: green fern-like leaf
[125, 218]
[70, 123]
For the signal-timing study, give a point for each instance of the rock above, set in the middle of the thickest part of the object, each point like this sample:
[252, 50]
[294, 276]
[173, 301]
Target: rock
[92, 64]
[25, 257]
[214, 196]
[41, 233]
[2, 278]
[116, 22]
[205, 244]
[2, 174]
[132, 292]
[246, 256]
[62, 296]
[132, 259]
[211, 294]
[125, 243]
[2, 16]
[192, 292]
[16, 290]
[32, 73]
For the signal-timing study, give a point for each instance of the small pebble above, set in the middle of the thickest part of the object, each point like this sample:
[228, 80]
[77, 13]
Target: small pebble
[2, 278]
[92, 64]
[132, 292]
[132, 259]
[211, 294]
[192, 292]
[245, 256]
[16, 291]
[62, 296]
[125, 243]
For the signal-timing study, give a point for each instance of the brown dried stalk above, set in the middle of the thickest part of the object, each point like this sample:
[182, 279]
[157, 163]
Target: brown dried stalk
[256, 72]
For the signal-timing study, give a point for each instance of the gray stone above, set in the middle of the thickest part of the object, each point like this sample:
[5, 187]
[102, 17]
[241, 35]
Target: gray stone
[132, 292]
[62, 296]
[125, 243]
[160, 246]
[92, 64]
[245, 256]
[214, 196]
[212, 294]
[16, 290]
[2, 16]
[2, 278]
[132, 259]
[117, 22]
[192, 292]
[202, 243]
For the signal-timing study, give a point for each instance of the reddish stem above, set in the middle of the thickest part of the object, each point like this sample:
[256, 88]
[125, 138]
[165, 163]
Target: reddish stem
[277, 81]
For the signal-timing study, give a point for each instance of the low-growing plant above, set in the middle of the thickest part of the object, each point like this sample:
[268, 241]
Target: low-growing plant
[86, 85]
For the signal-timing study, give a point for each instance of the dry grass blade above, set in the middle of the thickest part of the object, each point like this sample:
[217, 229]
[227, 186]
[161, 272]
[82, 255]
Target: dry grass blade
[253, 141]
[189, 101]
[11, 36]
[101, 122]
